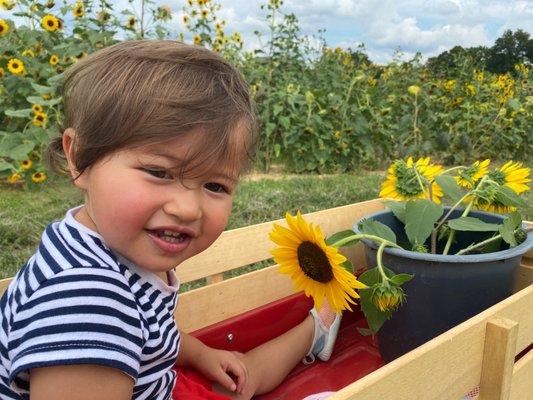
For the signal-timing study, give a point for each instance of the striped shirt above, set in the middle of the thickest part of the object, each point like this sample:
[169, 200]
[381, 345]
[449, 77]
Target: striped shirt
[77, 302]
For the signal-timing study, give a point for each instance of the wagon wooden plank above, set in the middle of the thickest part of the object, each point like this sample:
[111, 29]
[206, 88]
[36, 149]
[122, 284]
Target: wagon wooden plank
[448, 366]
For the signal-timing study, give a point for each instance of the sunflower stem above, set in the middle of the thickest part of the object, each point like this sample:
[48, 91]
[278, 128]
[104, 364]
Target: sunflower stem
[379, 260]
[452, 232]
[350, 238]
[452, 169]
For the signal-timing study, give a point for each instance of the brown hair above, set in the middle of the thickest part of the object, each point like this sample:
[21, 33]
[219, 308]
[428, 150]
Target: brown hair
[143, 92]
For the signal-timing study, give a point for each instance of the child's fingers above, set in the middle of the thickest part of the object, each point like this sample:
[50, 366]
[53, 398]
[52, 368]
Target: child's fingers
[225, 380]
[238, 369]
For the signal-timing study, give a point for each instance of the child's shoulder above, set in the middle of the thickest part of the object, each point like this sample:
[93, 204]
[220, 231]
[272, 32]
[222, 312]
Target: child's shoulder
[69, 258]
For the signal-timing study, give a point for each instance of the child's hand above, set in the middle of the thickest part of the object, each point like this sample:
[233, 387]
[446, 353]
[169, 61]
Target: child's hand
[223, 367]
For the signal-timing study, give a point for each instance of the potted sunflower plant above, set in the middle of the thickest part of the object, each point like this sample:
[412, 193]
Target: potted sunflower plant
[435, 266]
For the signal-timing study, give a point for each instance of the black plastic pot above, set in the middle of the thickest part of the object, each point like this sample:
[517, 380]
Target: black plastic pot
[446, 289]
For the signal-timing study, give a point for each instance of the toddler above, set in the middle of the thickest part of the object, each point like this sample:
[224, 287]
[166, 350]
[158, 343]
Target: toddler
[156, 135]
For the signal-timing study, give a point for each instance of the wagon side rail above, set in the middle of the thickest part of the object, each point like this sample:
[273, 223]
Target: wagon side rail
[481, 351]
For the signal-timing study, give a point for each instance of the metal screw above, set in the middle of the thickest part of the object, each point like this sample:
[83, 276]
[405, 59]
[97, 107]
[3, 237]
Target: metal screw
[229, 337]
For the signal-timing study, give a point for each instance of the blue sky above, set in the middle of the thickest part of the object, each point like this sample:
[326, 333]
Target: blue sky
[383, 26]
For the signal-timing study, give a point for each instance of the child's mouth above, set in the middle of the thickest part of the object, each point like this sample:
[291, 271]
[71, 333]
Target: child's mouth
[170, 236]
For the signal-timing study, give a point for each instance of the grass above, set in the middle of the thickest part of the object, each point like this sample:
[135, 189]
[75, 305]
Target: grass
[25, 214]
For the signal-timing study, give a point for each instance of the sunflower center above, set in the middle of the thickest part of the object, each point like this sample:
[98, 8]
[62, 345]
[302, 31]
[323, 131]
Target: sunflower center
[50, 22]
[314, 262]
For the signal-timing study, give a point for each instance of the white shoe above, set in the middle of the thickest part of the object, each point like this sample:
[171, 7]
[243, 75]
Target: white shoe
[323, 340]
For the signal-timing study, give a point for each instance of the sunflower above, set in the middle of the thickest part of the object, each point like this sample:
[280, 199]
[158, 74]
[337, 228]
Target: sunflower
[14, 178]
[38, 177]
[186, 19]
[131, 22]
[50, 23]
[512, 175]
[16, 66]
[402, 181]
[197, 39]
[204, 13]
[26, 164]
[4, 27]
[312, 265]
[6, 4]
[28, 53]
[54, 59]
[468, 177]
[78, 10]
[39, 119]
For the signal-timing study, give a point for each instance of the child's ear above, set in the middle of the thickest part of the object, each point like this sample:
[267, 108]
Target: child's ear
[69, 139]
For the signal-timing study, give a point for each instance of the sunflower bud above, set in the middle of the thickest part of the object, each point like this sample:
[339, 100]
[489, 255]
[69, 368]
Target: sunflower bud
[420, 248]
[414, 90]
[387, 297]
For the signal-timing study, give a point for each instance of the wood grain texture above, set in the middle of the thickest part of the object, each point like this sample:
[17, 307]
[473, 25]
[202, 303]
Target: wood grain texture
[448, 366]
[498, 359]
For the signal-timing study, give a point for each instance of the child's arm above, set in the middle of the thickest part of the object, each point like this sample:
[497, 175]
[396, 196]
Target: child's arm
[212, 363]
[80, 382]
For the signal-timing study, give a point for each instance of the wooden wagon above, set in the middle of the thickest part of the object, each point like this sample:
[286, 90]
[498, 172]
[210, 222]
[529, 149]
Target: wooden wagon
[492, 350]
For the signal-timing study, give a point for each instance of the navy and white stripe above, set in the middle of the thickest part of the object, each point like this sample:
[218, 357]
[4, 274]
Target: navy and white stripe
[77, 302]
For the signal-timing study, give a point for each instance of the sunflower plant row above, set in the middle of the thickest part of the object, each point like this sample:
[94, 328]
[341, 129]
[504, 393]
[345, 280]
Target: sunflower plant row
[414, 191]
[320, 109]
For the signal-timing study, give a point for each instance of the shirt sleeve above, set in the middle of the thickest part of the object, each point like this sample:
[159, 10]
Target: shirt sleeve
[84, 315]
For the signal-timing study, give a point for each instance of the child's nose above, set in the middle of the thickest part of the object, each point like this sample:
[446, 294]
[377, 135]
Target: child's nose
[185, 204]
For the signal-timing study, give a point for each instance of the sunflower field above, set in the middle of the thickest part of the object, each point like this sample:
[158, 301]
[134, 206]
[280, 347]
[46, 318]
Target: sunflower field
[320, 109]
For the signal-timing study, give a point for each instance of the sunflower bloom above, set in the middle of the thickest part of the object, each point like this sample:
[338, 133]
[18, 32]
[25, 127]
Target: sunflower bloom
[414, 90]
[14, 178]
[78, 10]
[197, 39]
[512, 175]
[54, 59]
[313, 266]
[39, 119]
[26, 164]
[402, 182]
[468, 177]
[131, 22]
[50, 23]
[38, 177]
[16, 66]
[4, 27]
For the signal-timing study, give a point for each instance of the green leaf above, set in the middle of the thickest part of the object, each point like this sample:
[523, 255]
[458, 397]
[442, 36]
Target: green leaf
[277, 109]
[400, 279]
[36, 100]
[330, 241]
[374, 316]
[397, 208]
[375, 228]
[42, 89]
[449, 187]
[515, 219]
[508, 197]
[4, 166]
[507, 230]
[364, 331]
[21, 151]
[24, 113]
[420, 217]
[472, 224]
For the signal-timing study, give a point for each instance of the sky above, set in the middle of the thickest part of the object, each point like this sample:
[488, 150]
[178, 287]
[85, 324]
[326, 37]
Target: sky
[382, 26]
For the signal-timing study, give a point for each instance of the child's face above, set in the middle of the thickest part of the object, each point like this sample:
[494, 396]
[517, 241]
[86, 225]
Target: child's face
[135, 201]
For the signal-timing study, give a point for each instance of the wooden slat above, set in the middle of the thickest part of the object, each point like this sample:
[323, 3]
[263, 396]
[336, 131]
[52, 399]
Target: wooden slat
[213, 303]
[498, 359]
[4, 283]
[251, 244]
[522, 376]
[448, 366]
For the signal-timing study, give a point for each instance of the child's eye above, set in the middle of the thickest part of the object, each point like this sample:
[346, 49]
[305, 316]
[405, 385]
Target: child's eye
[216, 187]
[158, 173]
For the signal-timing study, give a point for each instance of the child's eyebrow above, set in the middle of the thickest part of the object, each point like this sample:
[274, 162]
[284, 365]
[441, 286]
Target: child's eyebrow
[178, 161]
